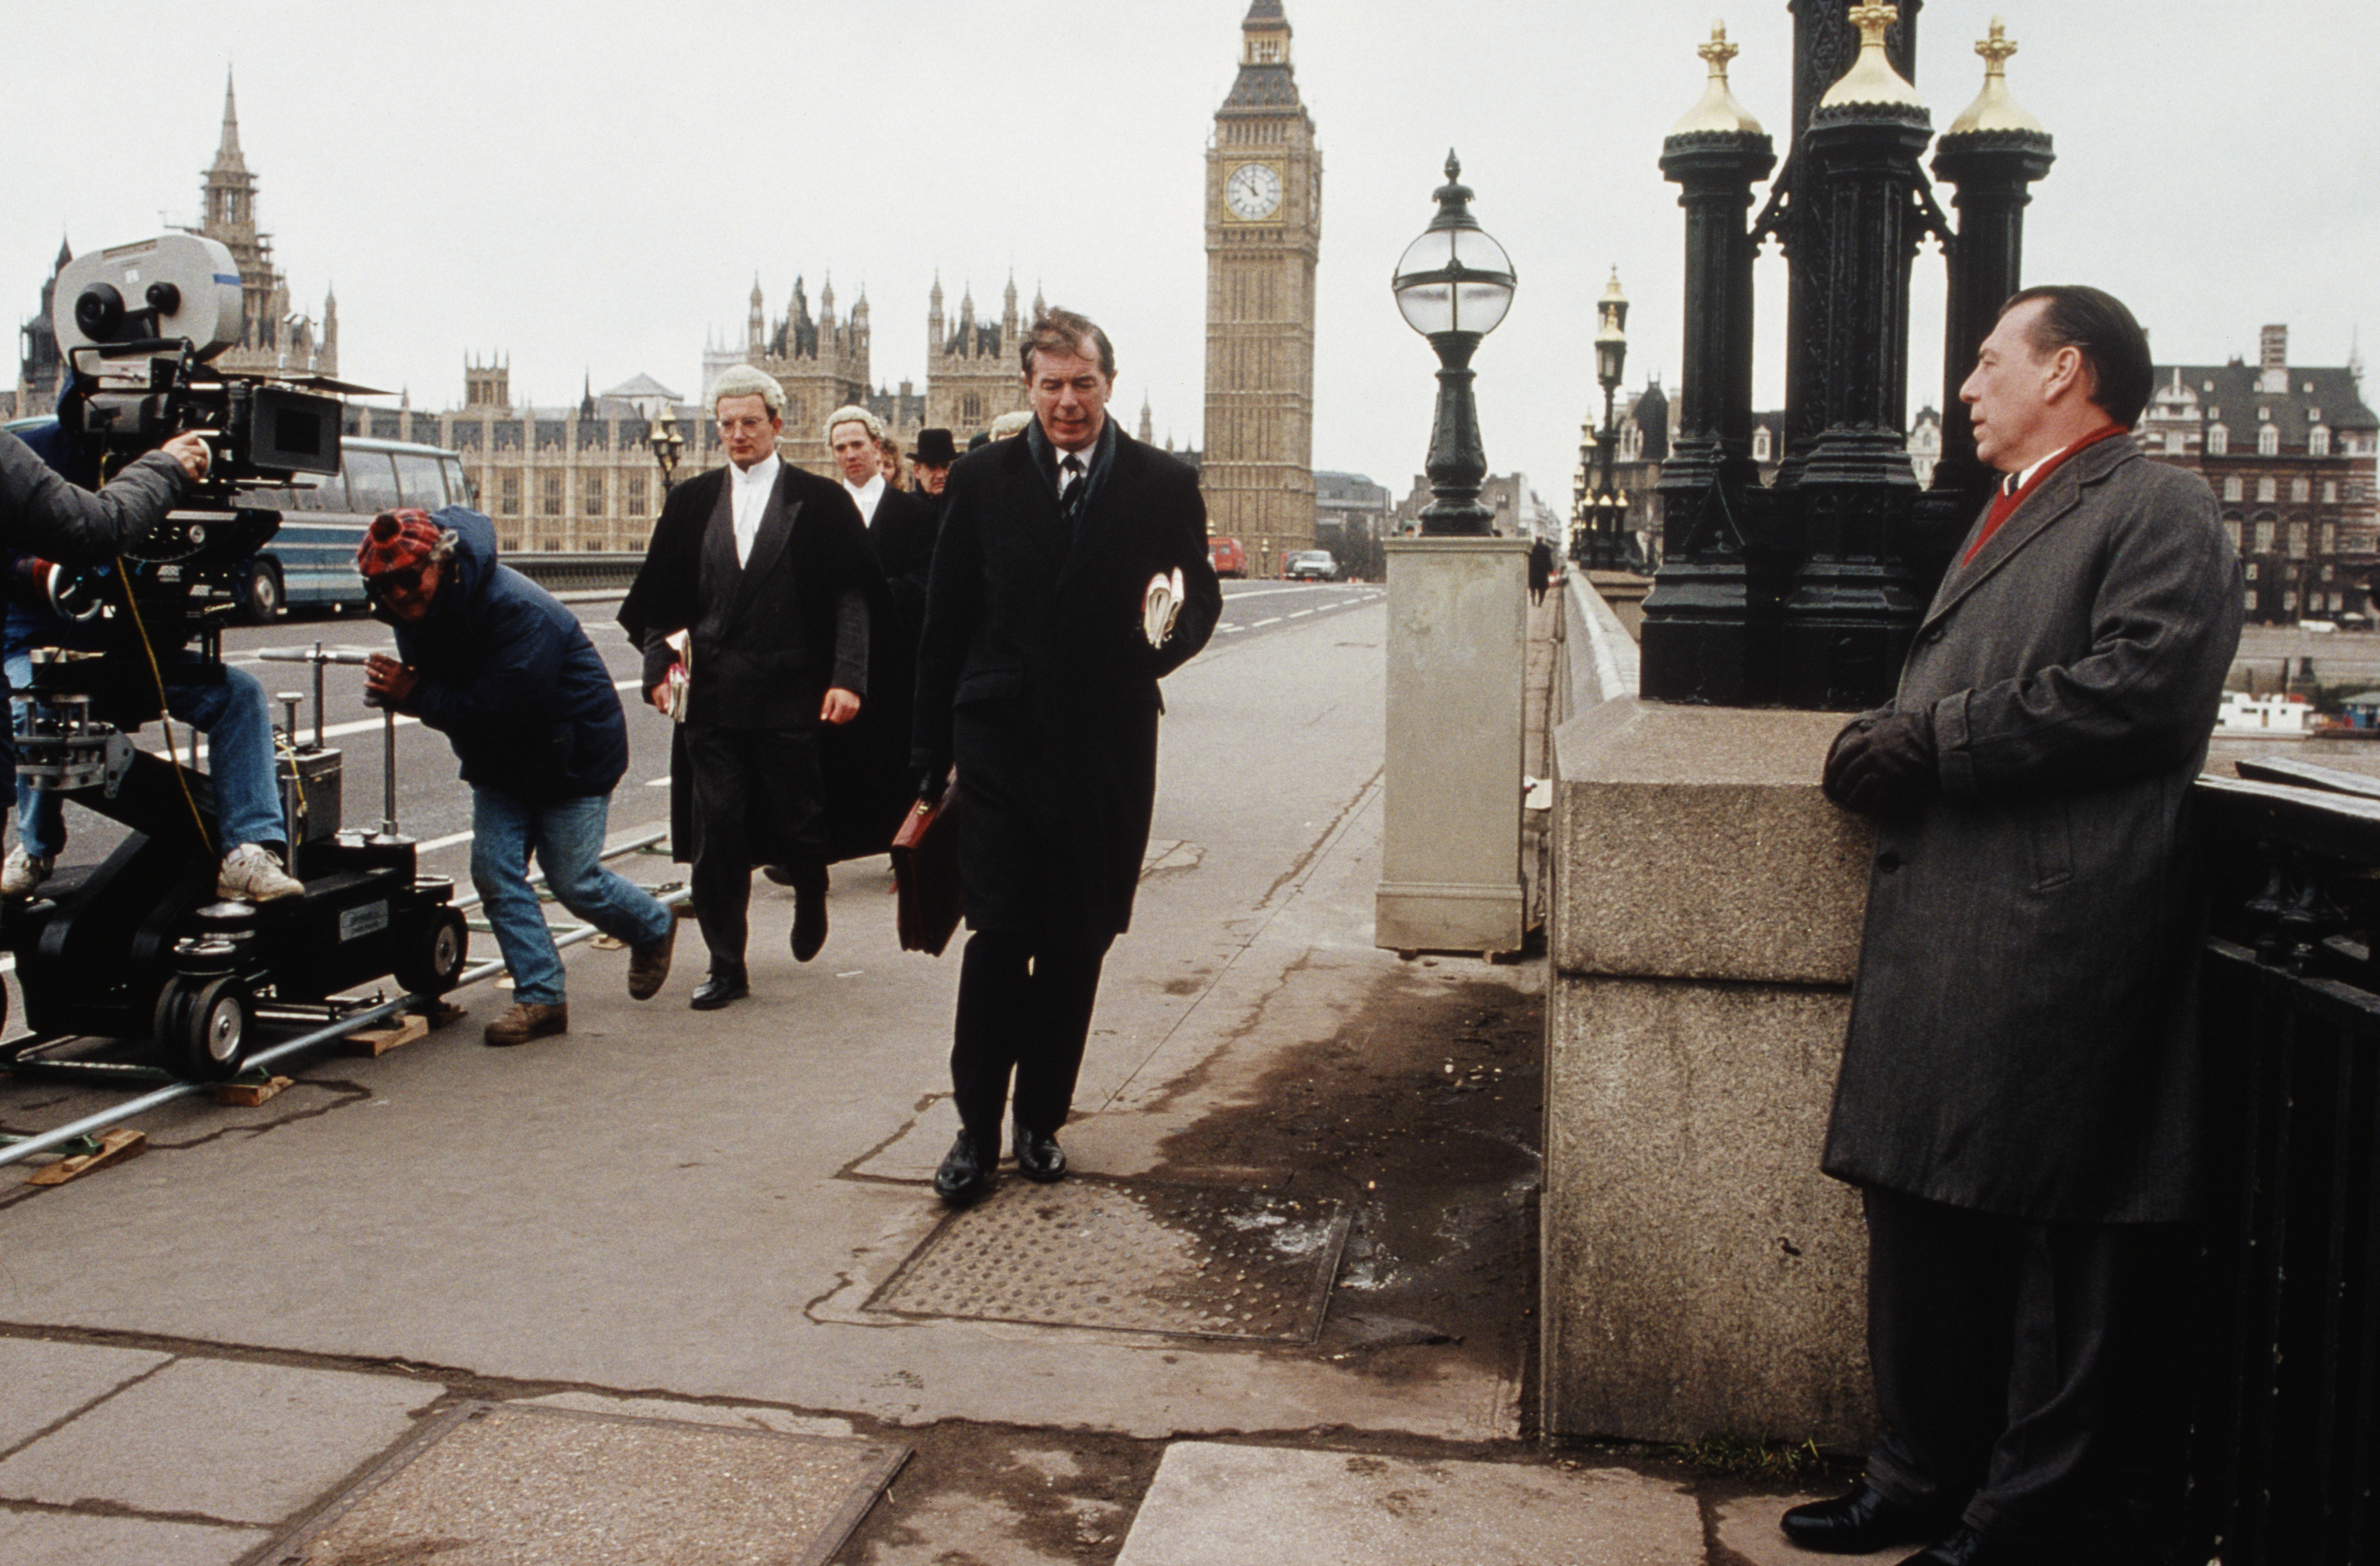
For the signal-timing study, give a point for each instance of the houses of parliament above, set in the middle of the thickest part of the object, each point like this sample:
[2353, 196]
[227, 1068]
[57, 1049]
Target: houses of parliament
[582, 477]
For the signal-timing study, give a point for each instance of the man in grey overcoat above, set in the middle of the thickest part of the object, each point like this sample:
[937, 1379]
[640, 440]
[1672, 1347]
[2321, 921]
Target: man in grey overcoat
[2019, 1096]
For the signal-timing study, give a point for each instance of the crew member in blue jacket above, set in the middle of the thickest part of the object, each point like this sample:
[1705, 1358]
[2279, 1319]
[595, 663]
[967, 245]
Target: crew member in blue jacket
[496, 664]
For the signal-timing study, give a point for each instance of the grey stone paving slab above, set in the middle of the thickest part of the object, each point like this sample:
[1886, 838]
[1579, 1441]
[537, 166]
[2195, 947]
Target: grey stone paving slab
[47, 1381]
[1748, 1527]
[1214, 1505]
[1185, 1261]
[210, 1437]
[64, 1539]
[740, 1417]
[513, 1485]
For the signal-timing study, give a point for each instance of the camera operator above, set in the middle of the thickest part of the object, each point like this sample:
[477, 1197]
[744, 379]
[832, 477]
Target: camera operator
[233, 713]
[39, 512]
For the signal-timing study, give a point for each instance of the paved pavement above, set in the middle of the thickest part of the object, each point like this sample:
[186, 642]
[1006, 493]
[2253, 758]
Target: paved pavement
[618, 1297]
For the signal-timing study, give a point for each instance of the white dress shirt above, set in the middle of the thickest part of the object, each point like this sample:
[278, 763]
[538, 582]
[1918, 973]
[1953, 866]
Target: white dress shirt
[865, 496]
[751, 488]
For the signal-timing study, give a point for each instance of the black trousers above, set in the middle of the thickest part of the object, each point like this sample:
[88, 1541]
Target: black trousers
[2008, 1358]
[757, 800]
[1025, 1010]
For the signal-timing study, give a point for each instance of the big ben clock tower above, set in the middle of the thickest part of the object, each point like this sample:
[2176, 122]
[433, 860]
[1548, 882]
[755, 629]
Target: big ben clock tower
[1264, 229]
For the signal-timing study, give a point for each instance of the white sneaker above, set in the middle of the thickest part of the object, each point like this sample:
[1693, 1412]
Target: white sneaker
[253, 873]
[23, 873]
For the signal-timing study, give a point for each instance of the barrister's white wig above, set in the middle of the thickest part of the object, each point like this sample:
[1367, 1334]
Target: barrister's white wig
[1009, 424]
[743, 380]
[853, 414]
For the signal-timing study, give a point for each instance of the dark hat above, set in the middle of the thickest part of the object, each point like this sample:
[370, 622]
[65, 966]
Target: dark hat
[396, 540]
[935, 448]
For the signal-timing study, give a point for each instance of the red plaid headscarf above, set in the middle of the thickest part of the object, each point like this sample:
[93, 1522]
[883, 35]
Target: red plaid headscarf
[396, 540]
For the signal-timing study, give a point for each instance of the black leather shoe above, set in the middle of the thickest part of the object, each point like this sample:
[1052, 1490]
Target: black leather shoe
[1038, 1157]
[809, 920]
[1863, 1521]
[967, 1172]
[1968, 1548]
[719, 990]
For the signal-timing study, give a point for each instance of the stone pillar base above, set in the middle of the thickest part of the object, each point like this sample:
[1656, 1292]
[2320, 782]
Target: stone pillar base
[1700, 1275]
[1451, 830]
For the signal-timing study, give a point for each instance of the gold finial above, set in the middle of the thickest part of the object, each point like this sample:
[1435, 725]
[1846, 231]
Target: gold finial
[1718, 51]
[1872, 78]
[1993, 108]
[1996, 49]
[1718, 109]
[1873, 18]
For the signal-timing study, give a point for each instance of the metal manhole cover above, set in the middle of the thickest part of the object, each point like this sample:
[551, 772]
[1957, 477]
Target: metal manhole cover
[1185, 1260]
[508, 1485]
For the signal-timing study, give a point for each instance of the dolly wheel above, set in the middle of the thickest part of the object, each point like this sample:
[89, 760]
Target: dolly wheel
[433, 958]
[213, 1036]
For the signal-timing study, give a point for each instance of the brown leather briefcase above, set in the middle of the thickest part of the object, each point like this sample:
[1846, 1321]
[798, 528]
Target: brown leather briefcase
[926, 874]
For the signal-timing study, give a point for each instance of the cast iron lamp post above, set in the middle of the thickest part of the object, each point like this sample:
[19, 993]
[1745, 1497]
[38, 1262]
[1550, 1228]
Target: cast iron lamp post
[1605, 551]
[667, 445]
[1453, 286]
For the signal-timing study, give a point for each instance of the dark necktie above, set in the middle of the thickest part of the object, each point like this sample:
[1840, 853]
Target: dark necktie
[1070, 490]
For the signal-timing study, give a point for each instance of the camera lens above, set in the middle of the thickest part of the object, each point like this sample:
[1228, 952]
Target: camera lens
[100, 312]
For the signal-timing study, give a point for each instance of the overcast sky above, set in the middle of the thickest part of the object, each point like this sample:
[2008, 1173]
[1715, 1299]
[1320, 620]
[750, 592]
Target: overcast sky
[592, 188]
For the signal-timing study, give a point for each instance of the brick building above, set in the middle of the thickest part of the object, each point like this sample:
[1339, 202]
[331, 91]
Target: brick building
[2289, 451]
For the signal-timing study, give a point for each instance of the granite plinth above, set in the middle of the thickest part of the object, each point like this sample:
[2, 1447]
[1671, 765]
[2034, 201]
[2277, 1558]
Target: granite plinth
[1701, 1276]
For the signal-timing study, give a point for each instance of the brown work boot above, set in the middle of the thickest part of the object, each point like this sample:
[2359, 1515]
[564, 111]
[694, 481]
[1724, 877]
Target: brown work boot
[527, 1020]
[648, 965]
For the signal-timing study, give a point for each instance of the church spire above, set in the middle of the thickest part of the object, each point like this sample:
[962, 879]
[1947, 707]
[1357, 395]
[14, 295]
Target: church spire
[228, 154]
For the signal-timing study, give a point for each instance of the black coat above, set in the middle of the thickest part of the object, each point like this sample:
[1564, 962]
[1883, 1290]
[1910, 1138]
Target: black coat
[775, 650]
[901, 533]
[1036, 677]
[2022, 1030]
[507, 675]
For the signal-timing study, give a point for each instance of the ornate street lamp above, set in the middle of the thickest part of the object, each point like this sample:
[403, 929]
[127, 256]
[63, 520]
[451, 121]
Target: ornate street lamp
[667, 445]
[1453, 286]
[1605, 552]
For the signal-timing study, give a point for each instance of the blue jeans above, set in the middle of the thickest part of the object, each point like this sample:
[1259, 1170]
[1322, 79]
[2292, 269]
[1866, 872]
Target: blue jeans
[568, 837]
[238, 721]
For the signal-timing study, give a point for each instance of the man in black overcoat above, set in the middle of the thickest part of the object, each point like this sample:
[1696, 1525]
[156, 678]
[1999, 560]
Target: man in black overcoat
[2019, 1096]
[768, 569]
[1037, 677]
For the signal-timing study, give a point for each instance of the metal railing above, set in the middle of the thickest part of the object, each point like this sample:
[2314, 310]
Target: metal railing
[2285, 1431]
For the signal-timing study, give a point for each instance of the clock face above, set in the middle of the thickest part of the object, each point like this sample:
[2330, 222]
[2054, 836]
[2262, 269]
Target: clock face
[1253, 191]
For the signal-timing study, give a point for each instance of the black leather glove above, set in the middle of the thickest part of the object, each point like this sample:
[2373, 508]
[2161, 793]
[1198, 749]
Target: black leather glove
[1882, 764]
[931, 783]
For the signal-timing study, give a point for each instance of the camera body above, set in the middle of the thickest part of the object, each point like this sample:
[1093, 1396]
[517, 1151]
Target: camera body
[141, 325]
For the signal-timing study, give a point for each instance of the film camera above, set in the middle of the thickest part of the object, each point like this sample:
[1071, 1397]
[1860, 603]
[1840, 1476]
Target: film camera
[140, 946]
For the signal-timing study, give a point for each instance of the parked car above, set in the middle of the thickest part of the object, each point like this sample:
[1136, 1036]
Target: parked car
[1229, 556]
[1311, 565]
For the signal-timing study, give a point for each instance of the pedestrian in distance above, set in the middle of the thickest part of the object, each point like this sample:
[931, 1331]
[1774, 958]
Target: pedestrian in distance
[1038, 677]
[2019, 1096]
[765, 571]
[495, 664]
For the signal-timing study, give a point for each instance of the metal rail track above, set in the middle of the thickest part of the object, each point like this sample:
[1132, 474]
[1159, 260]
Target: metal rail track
[353, 1022]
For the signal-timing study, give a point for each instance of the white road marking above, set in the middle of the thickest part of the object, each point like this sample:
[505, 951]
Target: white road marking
[1261, 624]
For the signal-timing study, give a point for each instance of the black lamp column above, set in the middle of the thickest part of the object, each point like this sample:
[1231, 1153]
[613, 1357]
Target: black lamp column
[667, 445]
[1605, 551]
[1453, 286]
[1992, 153]
[1855, 598]
[1695, 645]
[1826, 46]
